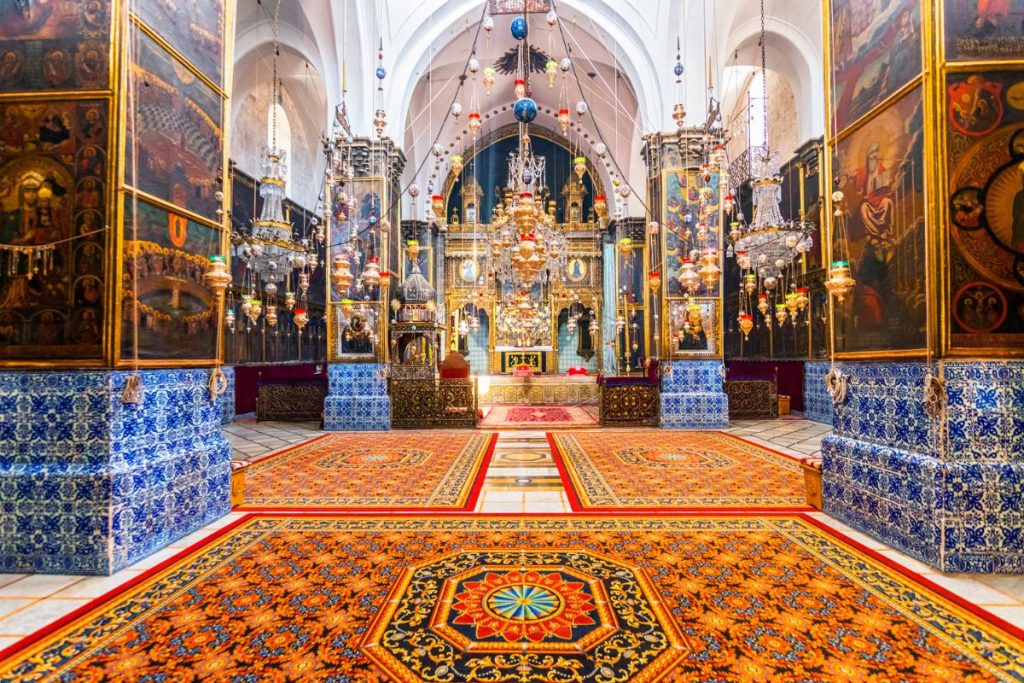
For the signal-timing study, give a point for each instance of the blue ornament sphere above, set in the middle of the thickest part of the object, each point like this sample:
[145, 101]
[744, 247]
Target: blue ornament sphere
[525, 110]
[678, 69]
[519, 28]
[381, 72]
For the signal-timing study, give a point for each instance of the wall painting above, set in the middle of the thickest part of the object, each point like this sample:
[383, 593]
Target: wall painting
[876, 50]
[192, 27]
[53, 175]
[176, 127]
[165, 258]
[985, 128]
[880, 169]
[54, 45]
[984, 29]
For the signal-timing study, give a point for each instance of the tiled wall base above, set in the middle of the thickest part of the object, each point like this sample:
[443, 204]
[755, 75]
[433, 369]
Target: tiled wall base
[357, 398]
[817, 403]
[948, 493]
[692, 396]
[226, 401]
[90, 485]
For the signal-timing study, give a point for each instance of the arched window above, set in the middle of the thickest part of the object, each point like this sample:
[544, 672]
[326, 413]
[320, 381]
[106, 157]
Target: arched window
[284, 137]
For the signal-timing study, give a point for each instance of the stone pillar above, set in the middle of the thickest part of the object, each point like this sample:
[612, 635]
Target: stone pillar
[929, 438]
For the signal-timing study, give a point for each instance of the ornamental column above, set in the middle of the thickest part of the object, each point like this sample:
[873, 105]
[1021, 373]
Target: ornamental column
[929, 407]
[113, 143]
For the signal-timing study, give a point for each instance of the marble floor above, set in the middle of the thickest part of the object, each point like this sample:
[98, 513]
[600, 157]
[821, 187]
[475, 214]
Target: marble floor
[522, 477]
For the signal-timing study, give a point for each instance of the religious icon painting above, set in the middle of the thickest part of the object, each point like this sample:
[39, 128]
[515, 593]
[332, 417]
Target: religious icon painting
[193, 28]
[694, 329]
[164, 297]
[469, 271]
[984, 29]
[54, 45]
[876, 50]
[178, 117]
[985, 129]
[576, 270]
[880, 170]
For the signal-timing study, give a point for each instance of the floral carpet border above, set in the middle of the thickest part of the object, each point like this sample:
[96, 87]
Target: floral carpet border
[179, 572]
[576, 503]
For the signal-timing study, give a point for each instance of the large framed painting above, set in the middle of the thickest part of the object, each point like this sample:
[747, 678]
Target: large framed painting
[53, 213]
[984, 29]
[163, 295]
[193, 28]
[876, 50]
[985, 129]
[54, 46]
[695, 328]
[174, 133]
[880, 170]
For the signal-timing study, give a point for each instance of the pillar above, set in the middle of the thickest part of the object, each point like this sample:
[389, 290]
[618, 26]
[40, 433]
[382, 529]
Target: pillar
[357, 315]
[929, 438]
[110, 444]
[692, 394]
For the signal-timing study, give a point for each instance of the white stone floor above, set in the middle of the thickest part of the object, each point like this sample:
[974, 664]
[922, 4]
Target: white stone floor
[522, 477]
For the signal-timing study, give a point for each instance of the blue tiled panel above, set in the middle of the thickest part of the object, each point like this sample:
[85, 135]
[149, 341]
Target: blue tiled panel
[89, 485]
[357, 398]
[692, 396]
[817, 403]
[948, 492]
[227, 399]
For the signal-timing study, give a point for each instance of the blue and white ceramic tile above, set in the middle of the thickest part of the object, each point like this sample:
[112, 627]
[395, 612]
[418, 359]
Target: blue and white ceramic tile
[357, 398]
[101, 486]
[817, 403]
[692, 396]
[227, 399]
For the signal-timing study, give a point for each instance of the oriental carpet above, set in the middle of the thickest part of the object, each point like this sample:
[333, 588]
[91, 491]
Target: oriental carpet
[536, 598]
[672, 470]
[429, 470]
[540, 417]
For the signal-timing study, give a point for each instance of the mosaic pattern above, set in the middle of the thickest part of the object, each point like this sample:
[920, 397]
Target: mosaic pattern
[357, 398]
[385, 471]
[226, 401]
[751, 599]
[950, 498]
[130, 479]
[649, 469]
[817, 403]
[692, 396]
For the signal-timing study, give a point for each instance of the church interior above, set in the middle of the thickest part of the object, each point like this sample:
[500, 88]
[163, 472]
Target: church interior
[512, 340]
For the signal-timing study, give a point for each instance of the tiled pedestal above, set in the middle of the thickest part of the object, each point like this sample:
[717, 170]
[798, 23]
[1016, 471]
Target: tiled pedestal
[88, 484]
[817, 403]
[226, 401]
[692, 396]
[357, 398]
[946, 490]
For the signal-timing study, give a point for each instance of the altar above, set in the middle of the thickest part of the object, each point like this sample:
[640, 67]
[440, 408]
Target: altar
[538, 390]
[536, 358]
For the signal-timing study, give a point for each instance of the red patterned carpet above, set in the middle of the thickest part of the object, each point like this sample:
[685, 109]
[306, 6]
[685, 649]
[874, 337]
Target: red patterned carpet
[663, 470]
[572, 599]
[540, 417]
[359, 470]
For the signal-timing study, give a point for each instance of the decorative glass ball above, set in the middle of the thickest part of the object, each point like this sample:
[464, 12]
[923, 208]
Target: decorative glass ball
[519, 28]
[525, 109]
[565, 64]
[414, 190]
[381, 72]
[438, 150]
[270, 289]
[601, 149]
[474, 65]
[770, 282]
[372, 220]
[551, 18]
[678, 69]
[581, 107]
[488, 23]
[456, 108]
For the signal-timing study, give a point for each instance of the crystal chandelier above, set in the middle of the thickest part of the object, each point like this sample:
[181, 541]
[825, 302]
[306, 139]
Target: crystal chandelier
[269, 250]
[523, 318]
[769, 247]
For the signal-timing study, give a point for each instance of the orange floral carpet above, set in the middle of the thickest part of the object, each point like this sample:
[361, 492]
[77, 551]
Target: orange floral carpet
[662, 470]
[424, 471]
[483, 598]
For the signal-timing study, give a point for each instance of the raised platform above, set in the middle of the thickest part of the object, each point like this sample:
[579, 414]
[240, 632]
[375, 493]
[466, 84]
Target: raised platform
[538, 390]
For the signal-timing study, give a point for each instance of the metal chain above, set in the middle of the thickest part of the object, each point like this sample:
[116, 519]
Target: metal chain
[764, 78]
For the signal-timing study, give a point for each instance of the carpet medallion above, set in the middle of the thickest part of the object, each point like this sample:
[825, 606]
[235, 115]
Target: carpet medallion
[484, 598]
[370, 472]
[661, 470]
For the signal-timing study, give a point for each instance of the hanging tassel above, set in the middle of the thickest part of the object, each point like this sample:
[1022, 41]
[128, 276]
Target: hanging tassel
[132, 392]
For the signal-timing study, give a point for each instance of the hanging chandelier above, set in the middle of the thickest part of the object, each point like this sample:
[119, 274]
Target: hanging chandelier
[768, 248]
[269, 250]
[523, 318]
